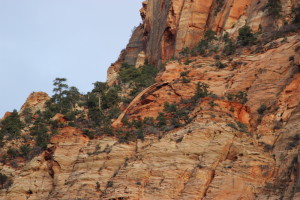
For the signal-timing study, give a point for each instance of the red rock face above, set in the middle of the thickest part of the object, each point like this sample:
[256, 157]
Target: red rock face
[6, 115]
[35, 101]
[211, 157]
[170, 25]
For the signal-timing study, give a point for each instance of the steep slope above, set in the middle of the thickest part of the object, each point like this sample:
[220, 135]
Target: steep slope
[171, 25]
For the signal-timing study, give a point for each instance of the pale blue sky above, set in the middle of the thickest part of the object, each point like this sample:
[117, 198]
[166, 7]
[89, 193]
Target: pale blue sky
[74, 39]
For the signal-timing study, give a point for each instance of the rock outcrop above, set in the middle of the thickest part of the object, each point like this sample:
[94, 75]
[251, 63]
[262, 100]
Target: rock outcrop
[6, 115]
[35, 101]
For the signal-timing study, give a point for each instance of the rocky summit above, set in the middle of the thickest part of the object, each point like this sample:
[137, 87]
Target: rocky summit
[203, 103]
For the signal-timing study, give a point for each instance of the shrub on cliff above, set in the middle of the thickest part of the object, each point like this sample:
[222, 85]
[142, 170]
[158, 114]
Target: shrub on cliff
[220, 65]
[110, 98]
[229, 47]
[89, 133]
[246, 37]
[297, 15]
[274, 8]
[12, 153]
[11, 126]
[210, 35]
[185, 51]
[161, 119]
[239, 97]
[128, 73]
[64, 99]
[141, 77]
[40, 132]
[137, 78]
[204, 44]
[219, 5]
[27, 115]
[99, 87]
[170, 107]
[262, 109]
[25, 150]
[147, 75]
[3, 179]
[200, 92]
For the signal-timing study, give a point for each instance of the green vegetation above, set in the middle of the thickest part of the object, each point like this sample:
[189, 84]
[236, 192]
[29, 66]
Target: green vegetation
[162, 121]
[184, 73]
[140, 77]
[246, 37]
[137, 78]
[210, 35]
[242, 127]
[27, 115]
[239, 126]
[239, 97]
[170, 108]
[109, 184]
[229, 47]
[232, 125]
[25, 150]
[3, 179]
[219, 5]
[40, 132]
[174, 115]
[97, 186]
[64, 99]
[204, 44]
[11, 126]
[297, 15]
[262, 109]
[128, 73]
[201, 92]
[12, 153]
[212, 104]
[294, 141]
[89, 133]
[185, 52]
[220, 65]
[274, 8]
[178, 140]
[186, 80]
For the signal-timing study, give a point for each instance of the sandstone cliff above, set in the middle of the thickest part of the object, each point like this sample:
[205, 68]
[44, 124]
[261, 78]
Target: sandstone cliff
[241, 140]
[170, 25]
[207, 159]
[35, 101]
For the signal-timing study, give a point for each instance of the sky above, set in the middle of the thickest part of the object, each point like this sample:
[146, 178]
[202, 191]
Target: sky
[73, 39]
